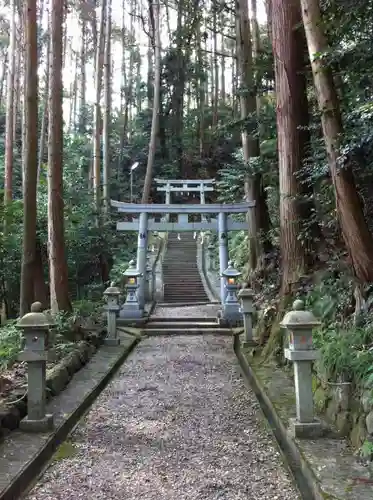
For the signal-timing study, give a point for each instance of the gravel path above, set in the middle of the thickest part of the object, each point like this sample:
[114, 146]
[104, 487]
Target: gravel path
[176, 423]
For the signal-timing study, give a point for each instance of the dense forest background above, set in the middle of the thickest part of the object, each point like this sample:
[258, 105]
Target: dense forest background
[276, 106]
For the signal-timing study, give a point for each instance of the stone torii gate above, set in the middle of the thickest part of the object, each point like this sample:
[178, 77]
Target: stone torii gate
[185, 186]
[214, 217]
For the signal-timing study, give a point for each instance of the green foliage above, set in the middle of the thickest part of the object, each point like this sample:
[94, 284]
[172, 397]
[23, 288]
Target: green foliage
[10, 344]
[346, 354]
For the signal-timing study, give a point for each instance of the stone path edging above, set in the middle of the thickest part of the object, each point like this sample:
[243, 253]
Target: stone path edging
[22, 456]
[303, 474]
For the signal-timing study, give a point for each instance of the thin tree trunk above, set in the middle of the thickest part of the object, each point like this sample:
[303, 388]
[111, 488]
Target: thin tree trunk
[83, 82]
[3, 77]
[59, 285]
[43, 154]
[8, 182]
[17, 93]
[250, 145]
[30, 159]
[107, 111]
[156, 103]
[97, 112]
[357, 237]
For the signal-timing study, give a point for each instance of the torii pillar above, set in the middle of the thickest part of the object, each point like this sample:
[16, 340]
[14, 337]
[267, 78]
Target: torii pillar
[142, 245]
[223, 252]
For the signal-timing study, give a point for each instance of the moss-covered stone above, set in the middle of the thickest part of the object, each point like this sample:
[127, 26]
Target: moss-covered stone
[369, 423]
[57, 379]
[320, 398]
[367, 400]
[332, 410]
[343, 423]
[315, 383]
[366, 451]
[72, 362]
[358, 433]
[83, 351]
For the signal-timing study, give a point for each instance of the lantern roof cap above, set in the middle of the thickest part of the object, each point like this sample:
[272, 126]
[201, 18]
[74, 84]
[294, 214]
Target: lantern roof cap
[34, 319]
[132, 271]
[298, 317]
[112, 290]
[246, 293]
[231, 272]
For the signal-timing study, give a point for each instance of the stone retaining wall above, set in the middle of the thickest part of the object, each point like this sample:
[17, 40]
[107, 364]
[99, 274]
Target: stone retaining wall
[349, 410]
[210, 280]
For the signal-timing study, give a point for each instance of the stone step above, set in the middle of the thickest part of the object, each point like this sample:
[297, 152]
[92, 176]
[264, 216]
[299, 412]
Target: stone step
[180, 319]
[177, 278]
[189, 332]
[186, 303]
[185, 297]
[180, 289]
[180, 267]
[187, 277]
[184, 294]
[169, 325]
[182, 273]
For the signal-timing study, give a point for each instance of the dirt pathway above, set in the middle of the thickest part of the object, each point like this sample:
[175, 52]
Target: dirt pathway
[176, 423]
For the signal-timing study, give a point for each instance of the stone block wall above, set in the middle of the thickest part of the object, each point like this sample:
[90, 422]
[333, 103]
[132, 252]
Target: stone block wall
[348, 409]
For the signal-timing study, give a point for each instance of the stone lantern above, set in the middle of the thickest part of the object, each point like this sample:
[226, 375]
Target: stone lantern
[112, 307]
[131, 308]
[246, 295]
[35, 327]
[231, 313]
[299, 324]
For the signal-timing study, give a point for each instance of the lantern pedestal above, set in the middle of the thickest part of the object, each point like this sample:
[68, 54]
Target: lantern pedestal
[246, 296]
[130, 311]
[112, 307]
[131, 308]
[45, 424]
[231, 314]
[299, 324]
[35, 327]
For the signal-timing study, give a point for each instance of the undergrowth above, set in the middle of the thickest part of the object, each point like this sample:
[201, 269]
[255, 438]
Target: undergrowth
[65, 326]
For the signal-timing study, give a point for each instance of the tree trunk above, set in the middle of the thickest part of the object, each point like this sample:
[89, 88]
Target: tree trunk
[292, 119]
[215, 67]
[96, 177]
[43, 154]
[83, 82]
[59, 285]
[123, 134]
[8, 181]
[30, 159]
[201, 92]
[107, 111]
[3, 77]
[358, 239]
[17, 92]
[156, 103]
[250, 143]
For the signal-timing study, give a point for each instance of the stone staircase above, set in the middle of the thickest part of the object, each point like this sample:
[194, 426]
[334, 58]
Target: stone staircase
[181, 278]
